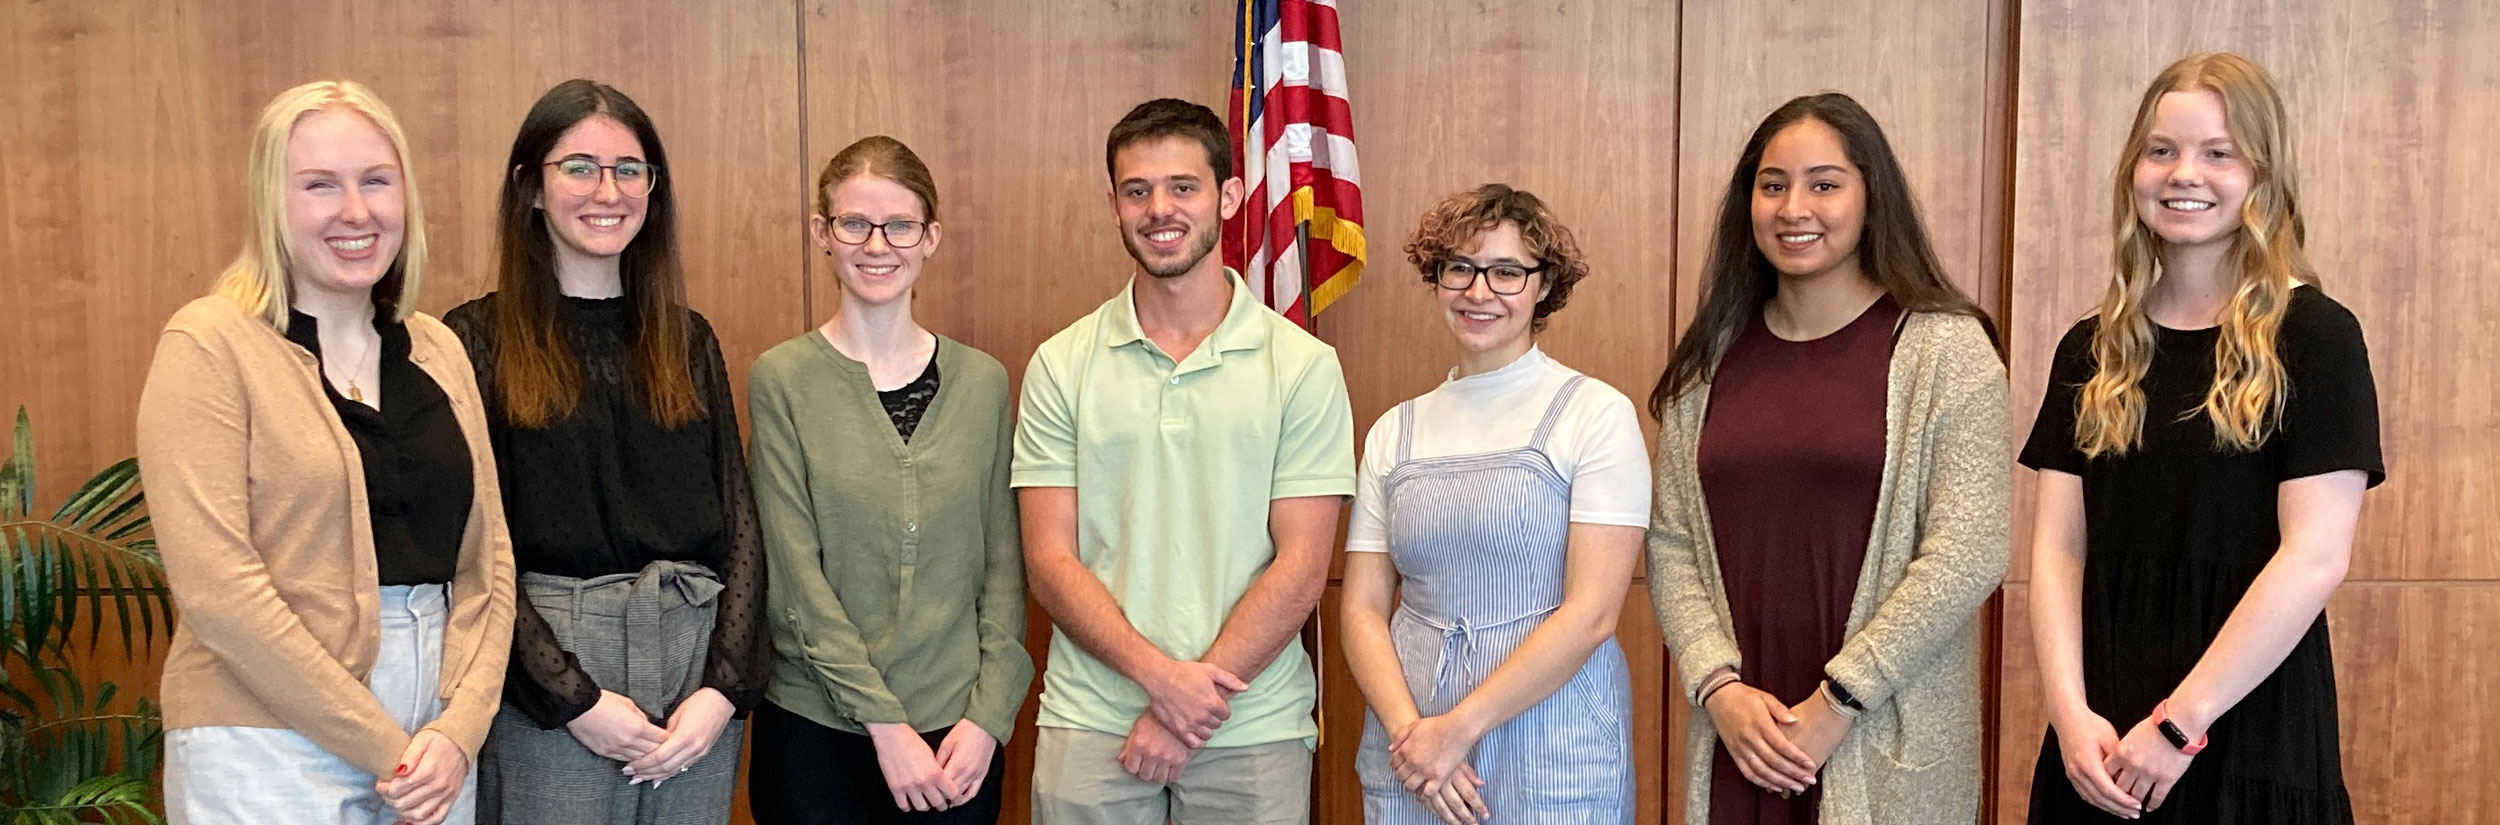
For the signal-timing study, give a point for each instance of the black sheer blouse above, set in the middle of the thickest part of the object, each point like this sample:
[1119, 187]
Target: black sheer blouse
[607, 491]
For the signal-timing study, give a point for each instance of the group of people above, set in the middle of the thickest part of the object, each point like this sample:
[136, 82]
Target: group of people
[517, 565]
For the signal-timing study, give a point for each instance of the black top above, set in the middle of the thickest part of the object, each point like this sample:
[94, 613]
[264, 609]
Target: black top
[905, 404]
[608, 491]
[417, 479]
[2175, 532]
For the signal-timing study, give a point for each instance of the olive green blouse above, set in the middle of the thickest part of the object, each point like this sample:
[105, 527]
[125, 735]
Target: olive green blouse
[895, 568]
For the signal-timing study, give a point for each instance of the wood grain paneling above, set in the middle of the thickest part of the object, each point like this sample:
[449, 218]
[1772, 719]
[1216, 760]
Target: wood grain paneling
[2020, 720]
[2419, 738]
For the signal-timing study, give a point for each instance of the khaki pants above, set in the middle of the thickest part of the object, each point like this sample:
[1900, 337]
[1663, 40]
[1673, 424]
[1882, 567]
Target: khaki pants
[1077, 780]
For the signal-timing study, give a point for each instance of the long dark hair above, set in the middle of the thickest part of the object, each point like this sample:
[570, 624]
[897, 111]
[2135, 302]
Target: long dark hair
[536, 376]
[1736, 279]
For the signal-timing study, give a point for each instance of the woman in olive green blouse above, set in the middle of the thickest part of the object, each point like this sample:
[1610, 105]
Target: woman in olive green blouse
[896, 578]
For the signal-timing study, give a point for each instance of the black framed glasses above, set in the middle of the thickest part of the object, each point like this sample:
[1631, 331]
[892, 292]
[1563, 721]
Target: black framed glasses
[1457, 275]
[898, 234]
[579, 175]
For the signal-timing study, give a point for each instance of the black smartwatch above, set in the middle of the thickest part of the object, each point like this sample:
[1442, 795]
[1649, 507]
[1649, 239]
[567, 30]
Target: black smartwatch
[1842, 695]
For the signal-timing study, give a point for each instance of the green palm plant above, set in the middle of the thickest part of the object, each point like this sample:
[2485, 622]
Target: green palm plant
[67, 754]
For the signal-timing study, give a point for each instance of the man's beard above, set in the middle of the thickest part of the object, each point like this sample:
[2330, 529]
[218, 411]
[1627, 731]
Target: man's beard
[1189, 258]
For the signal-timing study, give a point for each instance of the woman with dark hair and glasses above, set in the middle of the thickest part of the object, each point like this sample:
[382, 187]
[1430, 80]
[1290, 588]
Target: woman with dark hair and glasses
[1833, 485]
[881, 459]
[637, 638]
[1497, 520]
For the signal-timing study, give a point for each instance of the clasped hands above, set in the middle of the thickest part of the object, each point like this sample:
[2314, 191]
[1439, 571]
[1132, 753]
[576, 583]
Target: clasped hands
[1777, 747]
[2126, 777]
[1185, 702]
[1429, 757]
[933, 780]
[617, 729]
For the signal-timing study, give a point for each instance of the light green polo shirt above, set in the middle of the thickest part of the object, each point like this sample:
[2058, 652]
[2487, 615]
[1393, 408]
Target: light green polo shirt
[1174, 466]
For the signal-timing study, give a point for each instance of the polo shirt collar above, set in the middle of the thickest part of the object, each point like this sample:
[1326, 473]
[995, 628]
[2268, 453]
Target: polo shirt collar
[1241, 329]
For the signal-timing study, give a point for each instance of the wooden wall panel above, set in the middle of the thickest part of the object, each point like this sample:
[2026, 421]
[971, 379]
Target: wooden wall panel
[2417, 745]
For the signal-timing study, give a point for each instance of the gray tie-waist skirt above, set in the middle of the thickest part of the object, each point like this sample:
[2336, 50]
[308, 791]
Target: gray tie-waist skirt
[644, 635]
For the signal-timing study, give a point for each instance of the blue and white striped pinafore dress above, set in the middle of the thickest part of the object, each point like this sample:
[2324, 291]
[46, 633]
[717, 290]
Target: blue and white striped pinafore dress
[1478, 541]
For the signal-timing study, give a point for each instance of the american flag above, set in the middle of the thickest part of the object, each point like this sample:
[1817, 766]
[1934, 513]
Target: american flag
[1293, 142]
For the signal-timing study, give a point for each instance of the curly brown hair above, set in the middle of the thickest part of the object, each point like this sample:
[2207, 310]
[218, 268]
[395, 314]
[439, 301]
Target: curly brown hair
[1454, 223]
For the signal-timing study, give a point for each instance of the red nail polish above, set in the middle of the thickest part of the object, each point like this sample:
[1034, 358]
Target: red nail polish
[403, 770]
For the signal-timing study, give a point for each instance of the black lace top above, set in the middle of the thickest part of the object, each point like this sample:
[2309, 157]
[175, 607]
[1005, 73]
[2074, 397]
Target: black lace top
[906, 403]
[608, 491]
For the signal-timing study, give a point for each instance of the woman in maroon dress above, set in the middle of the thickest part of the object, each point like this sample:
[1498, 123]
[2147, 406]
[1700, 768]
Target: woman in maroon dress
[1832, 490]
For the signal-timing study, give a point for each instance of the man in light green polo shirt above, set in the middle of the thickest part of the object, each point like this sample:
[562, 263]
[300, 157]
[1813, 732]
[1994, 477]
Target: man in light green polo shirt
[1182, 454]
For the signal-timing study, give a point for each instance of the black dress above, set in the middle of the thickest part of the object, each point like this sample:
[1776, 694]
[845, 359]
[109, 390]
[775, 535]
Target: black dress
[2175, 532]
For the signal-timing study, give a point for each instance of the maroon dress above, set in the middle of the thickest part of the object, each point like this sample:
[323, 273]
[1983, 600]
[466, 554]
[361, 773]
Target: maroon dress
[1791, 457]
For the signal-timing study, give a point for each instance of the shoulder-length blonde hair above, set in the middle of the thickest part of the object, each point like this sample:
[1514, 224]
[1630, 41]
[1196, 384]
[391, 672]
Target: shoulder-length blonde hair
[257, 279]
[2245, 401]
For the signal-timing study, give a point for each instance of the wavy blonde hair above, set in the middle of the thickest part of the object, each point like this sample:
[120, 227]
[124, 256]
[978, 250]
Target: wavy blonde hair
[2245, 401]
[257, 279]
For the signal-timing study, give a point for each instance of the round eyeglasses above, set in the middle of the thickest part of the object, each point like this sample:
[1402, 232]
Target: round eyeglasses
[577, 176]
[898, 234]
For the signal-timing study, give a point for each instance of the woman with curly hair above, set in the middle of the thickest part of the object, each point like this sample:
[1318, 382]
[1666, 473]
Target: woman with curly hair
[1504, 511]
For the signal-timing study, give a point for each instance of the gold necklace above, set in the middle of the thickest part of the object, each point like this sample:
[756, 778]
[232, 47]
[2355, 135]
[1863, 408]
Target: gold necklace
[355, 392]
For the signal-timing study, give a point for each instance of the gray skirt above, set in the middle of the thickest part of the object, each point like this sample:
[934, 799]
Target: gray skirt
[644, 635]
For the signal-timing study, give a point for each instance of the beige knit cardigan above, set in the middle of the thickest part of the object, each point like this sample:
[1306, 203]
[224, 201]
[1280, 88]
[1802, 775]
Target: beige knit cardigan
[1937, 550]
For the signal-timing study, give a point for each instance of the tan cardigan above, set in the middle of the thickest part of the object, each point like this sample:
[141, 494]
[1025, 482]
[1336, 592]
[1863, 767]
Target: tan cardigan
[1938, 549]
[258, 499]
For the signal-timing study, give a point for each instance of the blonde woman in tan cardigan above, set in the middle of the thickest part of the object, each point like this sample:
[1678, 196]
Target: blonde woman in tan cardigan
[324, 495]
[1831, 494]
